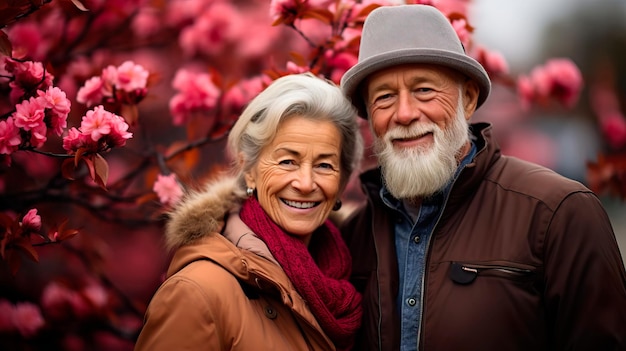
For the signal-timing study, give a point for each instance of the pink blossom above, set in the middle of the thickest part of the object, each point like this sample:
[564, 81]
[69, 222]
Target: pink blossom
[92, 92]
[339, 63]
[197, 94]
[284, 8]
[294, 68]
[525, 91]
[27, 319]
[28, 40]
[55, 300]
[96, 295]
[29, 74]
[460, 26]
[99, 122]
[181, 12]
[38, 135]
[494, 63]
[9, 136]
[131, 77]
[119, 131]
[240, 94]
[74, 140]
[96, 123]
[614, 127]
[212, 31]
[30, 113]
[31, 222]
[58, 106]
[167, 189]
[567, 80]
[146, 23]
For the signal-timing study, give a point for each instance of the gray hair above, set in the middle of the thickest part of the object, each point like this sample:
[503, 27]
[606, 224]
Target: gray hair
[303, 95]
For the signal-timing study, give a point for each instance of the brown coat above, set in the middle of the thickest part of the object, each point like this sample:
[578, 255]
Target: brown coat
[521, 259]
[219, 296]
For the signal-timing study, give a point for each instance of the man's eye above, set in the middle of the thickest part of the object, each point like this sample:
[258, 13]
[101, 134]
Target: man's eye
[382, 97]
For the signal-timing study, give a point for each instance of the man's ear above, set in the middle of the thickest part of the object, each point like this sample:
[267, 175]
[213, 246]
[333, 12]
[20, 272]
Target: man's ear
[470, 97]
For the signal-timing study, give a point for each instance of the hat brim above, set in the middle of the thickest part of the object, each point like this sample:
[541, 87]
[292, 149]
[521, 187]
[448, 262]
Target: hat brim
[353, 78]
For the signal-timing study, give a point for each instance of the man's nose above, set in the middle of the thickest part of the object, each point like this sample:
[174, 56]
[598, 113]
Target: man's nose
[408, 109]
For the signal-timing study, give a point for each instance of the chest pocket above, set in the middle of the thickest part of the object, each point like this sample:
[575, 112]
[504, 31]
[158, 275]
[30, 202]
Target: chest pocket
[466, 273]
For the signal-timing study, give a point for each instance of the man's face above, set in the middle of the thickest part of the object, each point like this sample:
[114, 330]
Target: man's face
[419, 124]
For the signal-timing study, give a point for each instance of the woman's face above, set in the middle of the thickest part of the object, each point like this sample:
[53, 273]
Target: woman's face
[297, 175]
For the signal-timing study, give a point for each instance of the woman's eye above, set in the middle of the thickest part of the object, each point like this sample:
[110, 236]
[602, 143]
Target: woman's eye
[286, 162]
[326, 166]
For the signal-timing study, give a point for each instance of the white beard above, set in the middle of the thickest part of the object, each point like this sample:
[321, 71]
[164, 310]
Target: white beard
[421, 172]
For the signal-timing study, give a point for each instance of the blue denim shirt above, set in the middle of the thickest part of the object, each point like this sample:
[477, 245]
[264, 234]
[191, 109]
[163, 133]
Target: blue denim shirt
[412, 241]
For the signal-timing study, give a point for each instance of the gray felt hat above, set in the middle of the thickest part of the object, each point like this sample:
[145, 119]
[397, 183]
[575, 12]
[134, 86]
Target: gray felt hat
[399, 34]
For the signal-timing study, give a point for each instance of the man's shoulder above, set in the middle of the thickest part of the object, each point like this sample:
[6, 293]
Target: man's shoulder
[530, 179]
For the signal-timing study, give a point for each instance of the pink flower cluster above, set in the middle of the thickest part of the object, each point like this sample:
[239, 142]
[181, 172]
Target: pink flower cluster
[23, 317]
[26, 78]
[34, 120]
[558, 78]
[606, 105]
[167, 189]
[59, 302]
[198, 94]
[126, 83]
[495, 64]
[99, 130]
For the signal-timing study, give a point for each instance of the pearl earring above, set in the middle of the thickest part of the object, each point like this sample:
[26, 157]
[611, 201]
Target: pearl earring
[249, 191]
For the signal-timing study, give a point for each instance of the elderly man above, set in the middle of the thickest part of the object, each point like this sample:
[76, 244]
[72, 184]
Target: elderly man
[459, 247]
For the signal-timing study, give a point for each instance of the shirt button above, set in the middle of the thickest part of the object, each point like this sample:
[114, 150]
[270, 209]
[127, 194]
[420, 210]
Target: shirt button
[416, 239]
[411, 301]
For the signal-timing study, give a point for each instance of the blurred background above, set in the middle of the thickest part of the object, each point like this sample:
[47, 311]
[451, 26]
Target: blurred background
[93, 289]
[593, 35]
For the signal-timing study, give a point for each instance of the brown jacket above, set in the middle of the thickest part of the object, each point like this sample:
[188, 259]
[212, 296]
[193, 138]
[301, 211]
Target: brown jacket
[222, 296]
[521, 259]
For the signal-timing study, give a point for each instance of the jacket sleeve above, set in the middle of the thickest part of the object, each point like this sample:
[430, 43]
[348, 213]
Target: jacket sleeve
[179, 317]
[585, 282]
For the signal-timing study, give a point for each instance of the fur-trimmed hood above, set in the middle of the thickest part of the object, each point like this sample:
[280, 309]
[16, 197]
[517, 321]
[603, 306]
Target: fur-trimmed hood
[202, 212]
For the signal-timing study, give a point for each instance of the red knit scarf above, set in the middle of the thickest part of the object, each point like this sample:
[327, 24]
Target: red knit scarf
[319, 272]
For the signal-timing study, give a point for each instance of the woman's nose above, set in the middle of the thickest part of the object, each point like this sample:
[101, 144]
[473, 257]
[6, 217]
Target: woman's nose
[304, 180]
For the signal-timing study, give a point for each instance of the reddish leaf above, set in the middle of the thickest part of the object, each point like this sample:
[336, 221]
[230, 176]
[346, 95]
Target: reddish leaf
[101, 170]
[367, 9]
[13, 261]
[62, 233]
[323, 15]
[92, 171]
[27, 247]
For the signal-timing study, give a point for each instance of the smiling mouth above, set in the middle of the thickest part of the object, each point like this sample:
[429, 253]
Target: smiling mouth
[411, 138]
[299, 204]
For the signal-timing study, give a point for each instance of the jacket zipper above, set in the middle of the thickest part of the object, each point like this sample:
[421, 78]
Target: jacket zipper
[477, 268]
[426, 259]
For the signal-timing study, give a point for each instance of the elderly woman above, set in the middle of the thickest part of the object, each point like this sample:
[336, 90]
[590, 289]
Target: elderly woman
[258, 265]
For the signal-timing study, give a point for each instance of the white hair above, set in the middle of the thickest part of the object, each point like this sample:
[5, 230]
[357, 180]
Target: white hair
[304, 95]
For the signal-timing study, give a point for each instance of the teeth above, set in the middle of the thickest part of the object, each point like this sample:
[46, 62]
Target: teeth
[297, 204]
